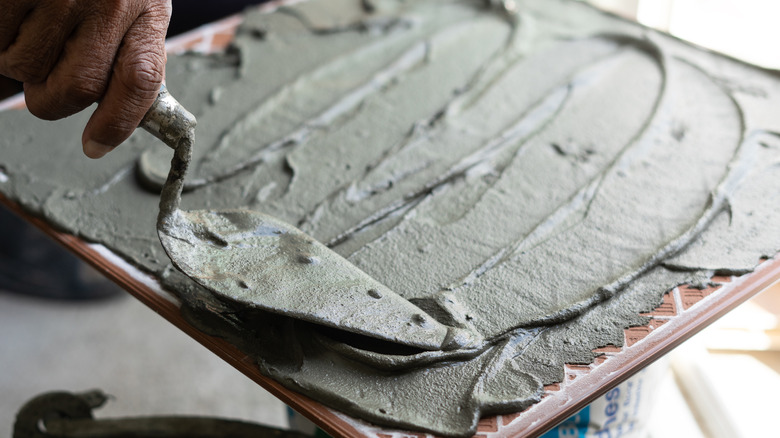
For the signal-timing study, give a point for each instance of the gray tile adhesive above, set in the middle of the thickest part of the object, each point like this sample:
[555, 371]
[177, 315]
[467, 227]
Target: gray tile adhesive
[521, 188]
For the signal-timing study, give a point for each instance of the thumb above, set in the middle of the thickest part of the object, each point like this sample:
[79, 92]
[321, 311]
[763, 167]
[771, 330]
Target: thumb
[138, 72]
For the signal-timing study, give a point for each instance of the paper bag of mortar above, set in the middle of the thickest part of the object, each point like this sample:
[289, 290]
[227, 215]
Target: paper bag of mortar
[622, 412]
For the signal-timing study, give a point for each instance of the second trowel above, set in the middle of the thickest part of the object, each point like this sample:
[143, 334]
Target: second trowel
[259, 261]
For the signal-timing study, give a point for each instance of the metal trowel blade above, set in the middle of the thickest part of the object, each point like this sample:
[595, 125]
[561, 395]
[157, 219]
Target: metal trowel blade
[262, 262]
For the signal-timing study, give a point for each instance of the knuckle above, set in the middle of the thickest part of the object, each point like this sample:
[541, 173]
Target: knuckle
[68, 7]
[160, 9]
[143, 74]
[83, 90]
[31, 69]
[119, 11]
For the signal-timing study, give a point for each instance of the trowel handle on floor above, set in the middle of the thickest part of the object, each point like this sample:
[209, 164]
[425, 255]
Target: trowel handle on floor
[167, 119]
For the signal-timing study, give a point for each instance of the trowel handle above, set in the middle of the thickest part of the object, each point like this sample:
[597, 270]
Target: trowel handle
[167, 119]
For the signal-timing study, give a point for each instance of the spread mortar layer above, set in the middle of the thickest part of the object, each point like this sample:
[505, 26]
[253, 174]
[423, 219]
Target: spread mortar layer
[534, 182]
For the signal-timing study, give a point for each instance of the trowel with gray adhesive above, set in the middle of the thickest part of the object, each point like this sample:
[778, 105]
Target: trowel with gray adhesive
[258, 261]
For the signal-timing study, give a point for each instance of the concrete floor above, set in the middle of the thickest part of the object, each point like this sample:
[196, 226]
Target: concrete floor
[120, 346]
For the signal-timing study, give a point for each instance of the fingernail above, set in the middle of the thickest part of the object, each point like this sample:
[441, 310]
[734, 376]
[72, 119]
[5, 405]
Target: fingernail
[93, 149]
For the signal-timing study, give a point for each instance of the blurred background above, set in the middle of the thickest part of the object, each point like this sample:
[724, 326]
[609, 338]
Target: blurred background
[744, 29]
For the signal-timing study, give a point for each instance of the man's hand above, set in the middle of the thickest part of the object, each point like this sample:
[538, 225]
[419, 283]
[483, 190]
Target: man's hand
[72, 53]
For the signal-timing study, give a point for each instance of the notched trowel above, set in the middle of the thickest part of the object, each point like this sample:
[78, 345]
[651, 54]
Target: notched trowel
[259, 261]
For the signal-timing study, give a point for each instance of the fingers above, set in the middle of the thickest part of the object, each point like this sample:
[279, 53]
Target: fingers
[72, 53]
[10, 20]
[81, 76]
[40, 34]
[134, 83]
